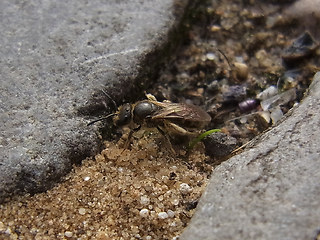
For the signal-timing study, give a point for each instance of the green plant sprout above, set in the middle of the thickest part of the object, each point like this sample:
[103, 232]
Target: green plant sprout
[194, 141]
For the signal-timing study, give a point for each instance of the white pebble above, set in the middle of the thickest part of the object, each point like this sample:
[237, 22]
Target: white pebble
[174, 168]
[82, 211]
[211, 56]
[276, 114]
[185, 188]
[68, 234]
[8, 231]
[144, 212]
[175, 202]
[144, 200]
[173, 224]
[267, 93]
[170, 213]
[86, 178]
[162, 215]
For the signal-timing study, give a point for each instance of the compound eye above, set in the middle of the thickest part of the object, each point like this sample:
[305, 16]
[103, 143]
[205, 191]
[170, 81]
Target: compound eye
[124, 116]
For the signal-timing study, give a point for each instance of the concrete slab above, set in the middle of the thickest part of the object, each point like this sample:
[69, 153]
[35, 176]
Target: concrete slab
[55, 56]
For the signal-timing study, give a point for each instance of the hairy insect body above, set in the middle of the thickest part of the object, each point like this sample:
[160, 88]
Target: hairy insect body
[169, 118]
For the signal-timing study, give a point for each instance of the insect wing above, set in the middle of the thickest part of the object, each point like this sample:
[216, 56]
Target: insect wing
[181, 112]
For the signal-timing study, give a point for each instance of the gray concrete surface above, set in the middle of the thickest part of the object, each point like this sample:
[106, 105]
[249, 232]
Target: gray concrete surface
[271, 190]
[55, 56]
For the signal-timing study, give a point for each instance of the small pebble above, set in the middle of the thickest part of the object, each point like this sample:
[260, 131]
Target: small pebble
[82, 211]
[213, 86]
[185, 188]
[264, 118]
[211, 56]
[86, 178]
[162, 215]
[215, 28]
[263, 59]
[68, 234]
[2, 227]
[175, 202]
[170, 213]
[144, 212]
[241, 70]
[144, 200]
[302, 47]
[235, 93]
[267, 93]
[219, 144]
[276, 114]
[279, 99]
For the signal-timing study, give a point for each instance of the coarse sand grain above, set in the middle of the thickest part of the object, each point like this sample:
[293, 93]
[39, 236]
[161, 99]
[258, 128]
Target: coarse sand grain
[137, 193]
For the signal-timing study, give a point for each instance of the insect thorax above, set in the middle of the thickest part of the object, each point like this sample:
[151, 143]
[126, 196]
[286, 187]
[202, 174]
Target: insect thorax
[143, 110]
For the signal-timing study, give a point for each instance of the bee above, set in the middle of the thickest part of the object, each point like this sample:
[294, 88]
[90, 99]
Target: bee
[169, 118]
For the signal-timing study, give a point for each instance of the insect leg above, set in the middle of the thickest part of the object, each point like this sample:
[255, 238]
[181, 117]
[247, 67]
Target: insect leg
[168, 139]
[174, 128]
[132, 131]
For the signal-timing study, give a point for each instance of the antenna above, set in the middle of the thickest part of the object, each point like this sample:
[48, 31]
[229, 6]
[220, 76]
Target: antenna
[114, 103]
[100, 119]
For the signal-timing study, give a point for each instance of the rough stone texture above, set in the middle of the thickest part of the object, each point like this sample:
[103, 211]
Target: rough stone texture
[307, 14]
[54, 56]
[270, 191]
